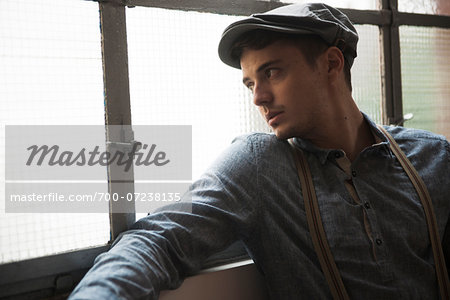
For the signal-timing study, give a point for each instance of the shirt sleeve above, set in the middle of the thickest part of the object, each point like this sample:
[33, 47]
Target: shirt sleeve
[164, 247]
[446, 238]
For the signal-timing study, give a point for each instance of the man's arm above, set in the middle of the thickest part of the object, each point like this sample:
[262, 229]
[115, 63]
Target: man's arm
[446, 245]
[446, 238]
[163, 248]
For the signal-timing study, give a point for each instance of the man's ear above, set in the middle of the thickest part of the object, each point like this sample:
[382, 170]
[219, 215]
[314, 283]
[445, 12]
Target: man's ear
[335, 60]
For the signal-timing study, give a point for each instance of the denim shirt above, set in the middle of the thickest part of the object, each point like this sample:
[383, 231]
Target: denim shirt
[376, 230]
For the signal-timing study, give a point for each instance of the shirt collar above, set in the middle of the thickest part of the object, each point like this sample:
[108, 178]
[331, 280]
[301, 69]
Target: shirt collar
[377, 134]
[322, 154]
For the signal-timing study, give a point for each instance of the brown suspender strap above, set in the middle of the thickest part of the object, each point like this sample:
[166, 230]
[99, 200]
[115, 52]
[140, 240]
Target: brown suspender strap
[439, 261]
[316, 230]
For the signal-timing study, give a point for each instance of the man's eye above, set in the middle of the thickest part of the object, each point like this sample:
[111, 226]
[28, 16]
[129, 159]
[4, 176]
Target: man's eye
[250, 86]
[271, 72]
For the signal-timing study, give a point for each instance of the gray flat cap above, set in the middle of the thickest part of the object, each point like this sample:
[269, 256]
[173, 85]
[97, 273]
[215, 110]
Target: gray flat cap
[313, 18]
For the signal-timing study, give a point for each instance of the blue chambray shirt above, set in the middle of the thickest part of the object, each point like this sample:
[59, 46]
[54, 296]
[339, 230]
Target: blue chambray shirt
[373, 219]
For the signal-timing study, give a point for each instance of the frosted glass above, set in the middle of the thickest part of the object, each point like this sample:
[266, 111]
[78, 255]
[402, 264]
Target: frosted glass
[366, 78]
[355, 4]
[439, 7]
[51, 73]
[176, 77]
[425, 77]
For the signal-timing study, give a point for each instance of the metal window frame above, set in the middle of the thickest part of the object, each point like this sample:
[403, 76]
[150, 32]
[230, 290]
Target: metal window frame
[117, 108]
[58, 274]
[46, 276]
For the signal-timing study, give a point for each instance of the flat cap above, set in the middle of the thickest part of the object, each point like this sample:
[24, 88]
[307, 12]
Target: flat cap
[319, 19]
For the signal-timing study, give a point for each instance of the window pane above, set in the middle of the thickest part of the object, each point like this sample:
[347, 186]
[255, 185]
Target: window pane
[425, 77]
[176, 77]
[51, 73]
[366, 78]
[439, 7]
[356, 4]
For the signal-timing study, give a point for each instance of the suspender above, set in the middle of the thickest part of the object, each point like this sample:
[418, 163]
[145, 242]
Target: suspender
[425, 199]
[319, 238]
[316, 230]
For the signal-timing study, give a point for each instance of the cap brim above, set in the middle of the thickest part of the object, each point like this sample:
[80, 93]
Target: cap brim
[234, 31]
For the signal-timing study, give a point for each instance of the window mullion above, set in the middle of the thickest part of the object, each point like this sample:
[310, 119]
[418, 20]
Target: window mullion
[392, 110]
[117, 112]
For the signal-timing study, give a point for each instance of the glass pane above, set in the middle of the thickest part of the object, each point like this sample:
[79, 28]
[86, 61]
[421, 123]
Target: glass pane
[51, 73]
[425, 77]
[356, 4]
[438, 7]
[366, 78]
[176, 77]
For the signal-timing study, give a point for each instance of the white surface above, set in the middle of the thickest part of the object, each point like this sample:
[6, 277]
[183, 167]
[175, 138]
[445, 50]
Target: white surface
[238, 283]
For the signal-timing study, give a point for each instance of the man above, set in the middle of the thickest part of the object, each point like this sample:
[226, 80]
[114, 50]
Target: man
[296, 60]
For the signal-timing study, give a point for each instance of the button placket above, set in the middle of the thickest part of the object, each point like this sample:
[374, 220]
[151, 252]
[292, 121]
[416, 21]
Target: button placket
[377, 241]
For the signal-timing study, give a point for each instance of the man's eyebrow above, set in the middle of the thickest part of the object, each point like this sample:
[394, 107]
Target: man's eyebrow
[262, 67]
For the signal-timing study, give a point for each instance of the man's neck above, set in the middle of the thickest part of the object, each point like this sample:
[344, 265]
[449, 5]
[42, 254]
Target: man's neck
[347, 130]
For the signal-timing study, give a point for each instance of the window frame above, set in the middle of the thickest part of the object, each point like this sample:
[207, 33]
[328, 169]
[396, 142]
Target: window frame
[58, 274]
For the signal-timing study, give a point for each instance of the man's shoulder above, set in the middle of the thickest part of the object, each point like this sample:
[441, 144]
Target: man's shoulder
[247, 152]
[405, 134]
[262, 145]
[256, 137]
[260, 140]
[420, 143]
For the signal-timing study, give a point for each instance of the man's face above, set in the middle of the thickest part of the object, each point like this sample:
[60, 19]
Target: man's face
[289, 93]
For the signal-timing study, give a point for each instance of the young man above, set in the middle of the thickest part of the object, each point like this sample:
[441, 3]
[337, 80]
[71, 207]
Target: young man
[296, 60]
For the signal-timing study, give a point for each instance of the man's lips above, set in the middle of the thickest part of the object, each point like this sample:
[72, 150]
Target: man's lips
[272, 116]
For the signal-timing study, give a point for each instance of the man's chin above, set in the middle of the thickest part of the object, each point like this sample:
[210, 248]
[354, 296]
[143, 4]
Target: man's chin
[282, 135]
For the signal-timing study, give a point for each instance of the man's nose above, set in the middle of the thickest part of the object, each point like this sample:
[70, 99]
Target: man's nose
[261, 94]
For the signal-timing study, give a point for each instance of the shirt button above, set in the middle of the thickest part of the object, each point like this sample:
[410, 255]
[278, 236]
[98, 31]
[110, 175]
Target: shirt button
[367, 205]
[379, 242]
[354, 173]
